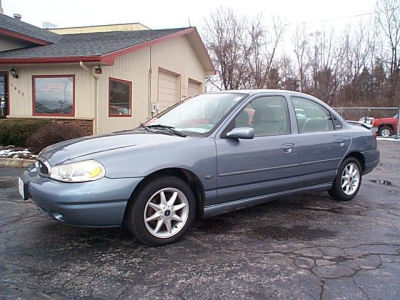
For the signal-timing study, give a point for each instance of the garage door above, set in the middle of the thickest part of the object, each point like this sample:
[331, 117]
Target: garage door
[194, 88]
[168, 89]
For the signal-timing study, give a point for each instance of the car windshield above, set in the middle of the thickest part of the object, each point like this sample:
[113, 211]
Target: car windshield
[198, 115]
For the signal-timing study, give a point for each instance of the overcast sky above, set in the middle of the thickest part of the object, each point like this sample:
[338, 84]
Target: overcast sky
[173, 13]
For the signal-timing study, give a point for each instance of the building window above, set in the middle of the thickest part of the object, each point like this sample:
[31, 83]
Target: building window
[53, 95]
[120, 98]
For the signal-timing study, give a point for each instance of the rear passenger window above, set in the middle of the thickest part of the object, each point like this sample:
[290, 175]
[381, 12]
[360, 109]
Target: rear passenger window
[311, 117]
[267, 115]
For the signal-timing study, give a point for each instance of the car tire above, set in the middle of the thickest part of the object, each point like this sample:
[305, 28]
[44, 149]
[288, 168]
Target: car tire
[385, 131]
[349, 172]
[154, 204]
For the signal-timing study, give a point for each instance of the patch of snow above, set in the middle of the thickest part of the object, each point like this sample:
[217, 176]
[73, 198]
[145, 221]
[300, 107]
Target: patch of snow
[15, 152]
[392, 139]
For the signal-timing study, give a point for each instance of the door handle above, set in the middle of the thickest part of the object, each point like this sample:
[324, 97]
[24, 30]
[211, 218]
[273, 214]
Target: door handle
[340, 142]
[287, 148]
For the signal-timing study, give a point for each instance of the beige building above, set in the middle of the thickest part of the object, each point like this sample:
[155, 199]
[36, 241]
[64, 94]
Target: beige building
[103, 78]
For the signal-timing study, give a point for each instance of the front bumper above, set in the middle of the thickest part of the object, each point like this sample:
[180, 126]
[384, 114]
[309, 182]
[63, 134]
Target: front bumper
[99, 203]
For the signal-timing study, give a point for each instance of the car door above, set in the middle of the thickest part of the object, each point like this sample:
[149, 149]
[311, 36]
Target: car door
[321, 147]
[266, 164]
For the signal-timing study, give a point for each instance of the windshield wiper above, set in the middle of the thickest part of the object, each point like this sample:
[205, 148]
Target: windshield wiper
[170, 129]
[145, 127]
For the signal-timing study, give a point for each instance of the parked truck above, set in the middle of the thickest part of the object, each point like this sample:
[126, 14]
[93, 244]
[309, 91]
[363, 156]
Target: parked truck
[385, 126]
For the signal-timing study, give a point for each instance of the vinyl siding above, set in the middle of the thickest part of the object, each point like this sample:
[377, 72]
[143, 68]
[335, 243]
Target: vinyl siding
[21, 89]
[100, 28]
[175, 55]
[7, 43]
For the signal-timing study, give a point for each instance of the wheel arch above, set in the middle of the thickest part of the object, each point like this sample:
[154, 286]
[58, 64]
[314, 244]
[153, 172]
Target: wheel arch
[388, 125]
[359, 156]
[189, 177]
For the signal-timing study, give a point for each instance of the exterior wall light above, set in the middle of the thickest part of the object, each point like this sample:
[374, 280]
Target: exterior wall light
[98, 70]
[14, 73]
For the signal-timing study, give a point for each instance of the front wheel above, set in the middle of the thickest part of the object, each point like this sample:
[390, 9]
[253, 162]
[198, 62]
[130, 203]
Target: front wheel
[162, 211]
[348, 180]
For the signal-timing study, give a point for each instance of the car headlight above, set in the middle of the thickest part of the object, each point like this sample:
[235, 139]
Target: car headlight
[88, 170]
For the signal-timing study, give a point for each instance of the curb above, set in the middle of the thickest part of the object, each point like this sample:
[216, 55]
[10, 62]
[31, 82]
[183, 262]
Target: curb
[389, 139]
[15, 162]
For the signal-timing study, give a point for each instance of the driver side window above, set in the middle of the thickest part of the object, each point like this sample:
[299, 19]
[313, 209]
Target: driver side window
[268, 115]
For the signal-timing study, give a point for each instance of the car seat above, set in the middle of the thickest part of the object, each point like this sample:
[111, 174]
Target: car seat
[315, 124]
[268, 120]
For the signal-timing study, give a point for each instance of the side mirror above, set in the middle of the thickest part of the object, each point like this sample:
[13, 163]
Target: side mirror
[241, 133]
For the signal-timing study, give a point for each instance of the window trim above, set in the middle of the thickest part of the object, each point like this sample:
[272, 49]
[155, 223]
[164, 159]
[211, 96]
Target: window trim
[34, 113]
[227, 128]
[8, 102]
[110, 115]
[297, 122]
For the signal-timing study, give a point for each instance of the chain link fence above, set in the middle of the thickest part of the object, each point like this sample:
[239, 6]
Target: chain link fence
[385, 119]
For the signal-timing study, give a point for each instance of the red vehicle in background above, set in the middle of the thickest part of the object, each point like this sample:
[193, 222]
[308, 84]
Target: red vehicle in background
[385, 126]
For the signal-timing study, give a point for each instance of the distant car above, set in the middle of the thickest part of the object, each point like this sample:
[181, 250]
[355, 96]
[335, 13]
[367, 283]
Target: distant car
[205, 156]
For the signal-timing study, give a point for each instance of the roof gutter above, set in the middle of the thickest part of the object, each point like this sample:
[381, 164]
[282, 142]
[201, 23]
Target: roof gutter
[46, 60]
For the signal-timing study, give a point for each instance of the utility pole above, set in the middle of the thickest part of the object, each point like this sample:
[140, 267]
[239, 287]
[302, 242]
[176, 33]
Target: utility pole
[398, 123]
[1, 8]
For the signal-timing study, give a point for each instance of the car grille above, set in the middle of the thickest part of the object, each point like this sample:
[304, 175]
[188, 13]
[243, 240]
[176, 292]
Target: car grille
[42, 167]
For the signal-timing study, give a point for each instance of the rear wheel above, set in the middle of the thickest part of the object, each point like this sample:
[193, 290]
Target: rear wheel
[162, 211]
[348, 180]
[385, 131]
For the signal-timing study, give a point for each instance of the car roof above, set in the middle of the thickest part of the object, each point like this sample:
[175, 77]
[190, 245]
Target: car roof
[264, 91]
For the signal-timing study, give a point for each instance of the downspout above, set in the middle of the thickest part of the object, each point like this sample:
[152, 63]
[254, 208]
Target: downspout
[150, 107]
[96, 78]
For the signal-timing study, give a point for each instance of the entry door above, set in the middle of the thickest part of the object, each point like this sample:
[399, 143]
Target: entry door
[263, 165]
[321, 147]
[3, 93]
[168, 89]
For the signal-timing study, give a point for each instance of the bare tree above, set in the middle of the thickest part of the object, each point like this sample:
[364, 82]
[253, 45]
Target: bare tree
[300, 46]
[388, 17]
[243, 49]
[359, 66]
[225, 39]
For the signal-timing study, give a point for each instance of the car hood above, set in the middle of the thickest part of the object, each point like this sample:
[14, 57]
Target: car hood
[80, 147]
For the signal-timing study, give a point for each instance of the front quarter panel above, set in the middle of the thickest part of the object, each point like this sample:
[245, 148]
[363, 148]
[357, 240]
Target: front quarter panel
[197, 155]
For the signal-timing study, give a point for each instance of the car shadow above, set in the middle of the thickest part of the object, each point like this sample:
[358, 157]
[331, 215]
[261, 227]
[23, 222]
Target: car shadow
[289, 218]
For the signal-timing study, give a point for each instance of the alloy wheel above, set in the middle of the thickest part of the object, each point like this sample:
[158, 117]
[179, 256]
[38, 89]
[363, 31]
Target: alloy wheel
[350, 179]
[166, 212]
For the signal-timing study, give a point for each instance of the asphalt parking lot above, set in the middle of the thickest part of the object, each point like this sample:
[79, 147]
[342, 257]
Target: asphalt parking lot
[305, 246]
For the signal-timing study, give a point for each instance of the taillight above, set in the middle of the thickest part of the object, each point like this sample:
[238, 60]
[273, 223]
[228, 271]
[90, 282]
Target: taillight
[374, 131]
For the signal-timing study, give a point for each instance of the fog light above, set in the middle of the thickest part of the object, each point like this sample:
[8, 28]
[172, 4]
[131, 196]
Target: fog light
[58, 217]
